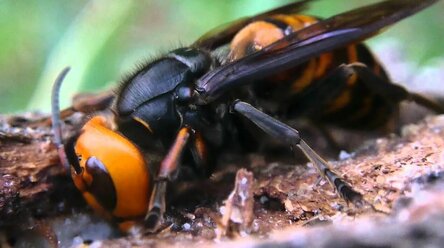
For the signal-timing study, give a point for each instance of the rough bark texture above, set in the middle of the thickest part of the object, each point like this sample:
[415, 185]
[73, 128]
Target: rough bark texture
[28, 170]
[32, 181]
[401, 176]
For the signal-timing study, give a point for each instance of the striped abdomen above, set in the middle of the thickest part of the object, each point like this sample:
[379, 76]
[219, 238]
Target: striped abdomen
[305, 90]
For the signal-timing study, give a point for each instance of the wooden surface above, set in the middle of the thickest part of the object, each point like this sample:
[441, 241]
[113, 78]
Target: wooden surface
[290, 205]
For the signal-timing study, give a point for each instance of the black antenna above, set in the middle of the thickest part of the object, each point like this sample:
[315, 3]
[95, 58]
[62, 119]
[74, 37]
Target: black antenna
[55, 118]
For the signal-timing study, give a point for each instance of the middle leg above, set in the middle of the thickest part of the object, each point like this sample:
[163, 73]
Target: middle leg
[288, 135]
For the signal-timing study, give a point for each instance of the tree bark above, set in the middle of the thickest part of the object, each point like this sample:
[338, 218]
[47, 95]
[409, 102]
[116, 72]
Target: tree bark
[31, 177]
[396, 174]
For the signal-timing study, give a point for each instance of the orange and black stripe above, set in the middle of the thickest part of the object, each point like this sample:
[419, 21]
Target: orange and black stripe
[306, 89]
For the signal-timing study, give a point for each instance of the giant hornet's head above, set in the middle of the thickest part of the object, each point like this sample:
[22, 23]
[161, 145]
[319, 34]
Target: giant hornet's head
[109, 170]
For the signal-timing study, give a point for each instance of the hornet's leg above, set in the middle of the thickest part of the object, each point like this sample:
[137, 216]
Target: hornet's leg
[167, 170]
[390, 91]
[386, 91]
[288, 135]
[354, 95]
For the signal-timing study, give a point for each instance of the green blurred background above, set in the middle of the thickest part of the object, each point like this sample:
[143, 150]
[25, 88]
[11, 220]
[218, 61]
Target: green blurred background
[102, 40]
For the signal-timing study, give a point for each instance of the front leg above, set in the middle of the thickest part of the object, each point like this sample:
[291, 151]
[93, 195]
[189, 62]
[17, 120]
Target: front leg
[167, 172]
[286, 134]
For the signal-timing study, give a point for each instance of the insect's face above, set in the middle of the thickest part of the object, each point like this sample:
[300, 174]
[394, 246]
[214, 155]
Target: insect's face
[114, 177]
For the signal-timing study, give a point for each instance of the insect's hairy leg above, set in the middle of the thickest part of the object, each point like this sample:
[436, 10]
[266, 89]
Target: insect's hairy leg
[391, 91]
[167, 171]
[288, 135]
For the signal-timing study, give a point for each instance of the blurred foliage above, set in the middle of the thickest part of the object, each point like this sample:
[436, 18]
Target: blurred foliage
[102, 40]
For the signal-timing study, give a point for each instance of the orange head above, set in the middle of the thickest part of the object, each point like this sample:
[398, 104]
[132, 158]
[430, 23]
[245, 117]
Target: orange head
[114, 177]
[109, 170]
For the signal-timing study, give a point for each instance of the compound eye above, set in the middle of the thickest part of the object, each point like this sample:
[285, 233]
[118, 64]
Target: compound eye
[102, 186]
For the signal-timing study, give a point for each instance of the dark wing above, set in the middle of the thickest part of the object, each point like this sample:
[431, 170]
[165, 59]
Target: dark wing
[225, 33]
[300, 46]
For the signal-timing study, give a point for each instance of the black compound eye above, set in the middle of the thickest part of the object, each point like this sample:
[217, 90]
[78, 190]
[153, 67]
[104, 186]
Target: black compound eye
[102, 186]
